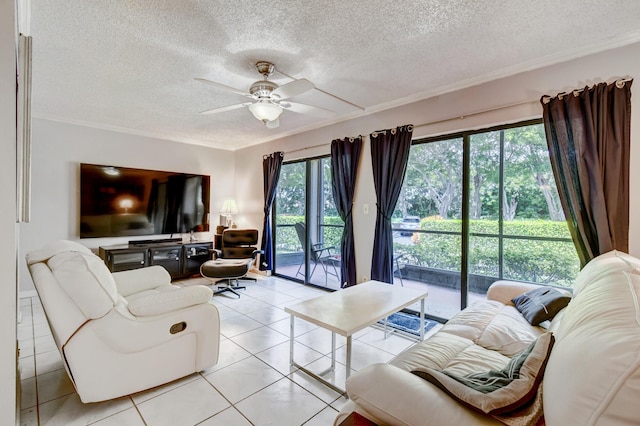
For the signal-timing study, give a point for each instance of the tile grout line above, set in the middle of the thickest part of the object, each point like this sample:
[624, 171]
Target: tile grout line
[249, 298]
[231, 405]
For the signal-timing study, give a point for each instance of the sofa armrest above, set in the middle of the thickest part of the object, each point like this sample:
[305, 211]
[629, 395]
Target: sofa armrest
[503, 291]
[137, 280]
[395, 396]
[161, 302]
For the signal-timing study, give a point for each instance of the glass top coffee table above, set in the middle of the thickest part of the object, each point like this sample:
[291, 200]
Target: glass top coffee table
[350, 310]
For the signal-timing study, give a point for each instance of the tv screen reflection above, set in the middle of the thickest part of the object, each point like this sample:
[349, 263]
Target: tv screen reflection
[121, 201]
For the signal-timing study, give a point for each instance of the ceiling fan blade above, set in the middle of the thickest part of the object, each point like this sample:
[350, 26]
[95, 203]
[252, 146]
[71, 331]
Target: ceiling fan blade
[224, 86]
[226, 108]
[307, 109]
[293, 88]
[273, 123]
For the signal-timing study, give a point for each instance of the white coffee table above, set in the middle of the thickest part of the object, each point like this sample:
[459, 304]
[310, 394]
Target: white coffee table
[348, 311]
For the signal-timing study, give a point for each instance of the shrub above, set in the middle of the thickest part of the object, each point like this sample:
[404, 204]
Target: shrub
[553, 262]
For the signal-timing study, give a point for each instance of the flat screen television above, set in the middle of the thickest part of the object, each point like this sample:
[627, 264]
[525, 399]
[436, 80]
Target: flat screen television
[122, 201]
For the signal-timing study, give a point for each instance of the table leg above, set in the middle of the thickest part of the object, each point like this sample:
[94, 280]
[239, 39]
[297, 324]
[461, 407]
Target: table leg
[422, 319]
[291, 334]
[348, 356]
[385, 327]
[318, 376]
[333, 351]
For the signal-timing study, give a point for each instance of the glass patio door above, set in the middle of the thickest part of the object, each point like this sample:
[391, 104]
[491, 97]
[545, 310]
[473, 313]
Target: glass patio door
[308, 228]
[476, 208]
[427, 225]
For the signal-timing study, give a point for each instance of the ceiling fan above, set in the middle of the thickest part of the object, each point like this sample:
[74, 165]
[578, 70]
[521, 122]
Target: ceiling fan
[269, 98]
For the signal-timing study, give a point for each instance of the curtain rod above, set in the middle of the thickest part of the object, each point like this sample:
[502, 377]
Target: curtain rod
[430, 123]
[265, 156]
[306, 147]
[471, 114]
[319, 145]
[619, 84]
[462, 117]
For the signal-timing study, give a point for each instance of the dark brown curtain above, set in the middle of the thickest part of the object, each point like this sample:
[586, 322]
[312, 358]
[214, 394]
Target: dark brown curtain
[588, 137]
[345, 157]
[271, 165]
[389, 157]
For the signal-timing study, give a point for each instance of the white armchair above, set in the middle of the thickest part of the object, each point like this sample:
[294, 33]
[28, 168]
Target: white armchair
[124, 332]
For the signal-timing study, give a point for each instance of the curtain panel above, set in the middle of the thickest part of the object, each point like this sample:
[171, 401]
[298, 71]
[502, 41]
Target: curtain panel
[389, 156]
[588, 135]
[271, 165]
[345, 157]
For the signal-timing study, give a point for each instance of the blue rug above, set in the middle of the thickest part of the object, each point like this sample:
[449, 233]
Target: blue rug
[408, 323]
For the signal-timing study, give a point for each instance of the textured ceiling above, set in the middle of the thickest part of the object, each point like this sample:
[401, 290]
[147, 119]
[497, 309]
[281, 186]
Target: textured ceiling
[130, 64]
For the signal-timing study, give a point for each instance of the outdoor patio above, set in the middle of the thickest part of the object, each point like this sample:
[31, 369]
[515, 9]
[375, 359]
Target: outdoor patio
[441, 302]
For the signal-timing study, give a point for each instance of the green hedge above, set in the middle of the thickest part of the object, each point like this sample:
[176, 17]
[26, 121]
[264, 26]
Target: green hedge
[527, 228]
[553, 262]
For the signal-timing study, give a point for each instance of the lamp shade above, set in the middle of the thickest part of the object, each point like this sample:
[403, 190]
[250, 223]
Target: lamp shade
[265, 111]
[229, 207]
[126, 203]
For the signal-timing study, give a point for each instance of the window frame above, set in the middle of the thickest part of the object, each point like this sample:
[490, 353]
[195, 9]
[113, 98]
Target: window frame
[465, 233]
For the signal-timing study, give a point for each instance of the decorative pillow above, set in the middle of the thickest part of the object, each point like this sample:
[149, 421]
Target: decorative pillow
[541, 304]
[497, 392]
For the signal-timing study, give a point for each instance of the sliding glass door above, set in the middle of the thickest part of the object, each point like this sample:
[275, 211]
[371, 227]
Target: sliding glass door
[428, 224]
[308, 228]
[479, 207]
[290, 208]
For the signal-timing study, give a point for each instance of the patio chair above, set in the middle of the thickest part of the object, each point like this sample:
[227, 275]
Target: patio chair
[320, 255]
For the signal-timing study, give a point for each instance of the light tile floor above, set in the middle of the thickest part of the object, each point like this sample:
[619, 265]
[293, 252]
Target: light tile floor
[252, 384]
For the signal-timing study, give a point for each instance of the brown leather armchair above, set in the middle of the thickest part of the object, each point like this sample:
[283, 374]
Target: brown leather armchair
[233, 260]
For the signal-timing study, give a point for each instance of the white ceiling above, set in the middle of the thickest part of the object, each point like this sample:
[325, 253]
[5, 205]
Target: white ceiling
[130, 65]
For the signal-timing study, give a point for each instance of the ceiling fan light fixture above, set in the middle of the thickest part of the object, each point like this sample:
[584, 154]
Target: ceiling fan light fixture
[265, 111]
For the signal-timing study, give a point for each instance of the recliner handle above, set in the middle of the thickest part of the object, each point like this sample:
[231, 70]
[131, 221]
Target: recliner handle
[178, 327]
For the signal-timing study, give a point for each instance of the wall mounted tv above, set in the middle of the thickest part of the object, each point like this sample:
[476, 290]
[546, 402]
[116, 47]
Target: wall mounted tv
[121, 201]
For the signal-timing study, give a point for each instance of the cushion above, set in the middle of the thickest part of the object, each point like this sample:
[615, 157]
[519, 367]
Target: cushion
[593, 373]
[51, 249]
[136, 280]
[493, 325]
[167, 298]
[86, 280]
[541, 304]
[445, 351]
[497, 391]
[603, 266]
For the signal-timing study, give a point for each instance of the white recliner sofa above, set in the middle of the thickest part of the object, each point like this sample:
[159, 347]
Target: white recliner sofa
[124, 332]
[592, 374]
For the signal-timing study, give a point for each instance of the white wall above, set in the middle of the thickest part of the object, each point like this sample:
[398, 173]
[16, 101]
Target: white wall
[445, 112]
[8, 334]
[59, 148]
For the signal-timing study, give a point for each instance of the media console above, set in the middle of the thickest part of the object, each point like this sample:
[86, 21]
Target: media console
[179, 259]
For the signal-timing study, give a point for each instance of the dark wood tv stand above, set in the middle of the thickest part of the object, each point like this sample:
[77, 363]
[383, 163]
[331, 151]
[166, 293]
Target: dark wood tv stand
[179, 259]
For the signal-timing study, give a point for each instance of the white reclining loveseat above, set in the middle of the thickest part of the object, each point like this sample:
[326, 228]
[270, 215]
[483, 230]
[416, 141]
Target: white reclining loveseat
[124, 332]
